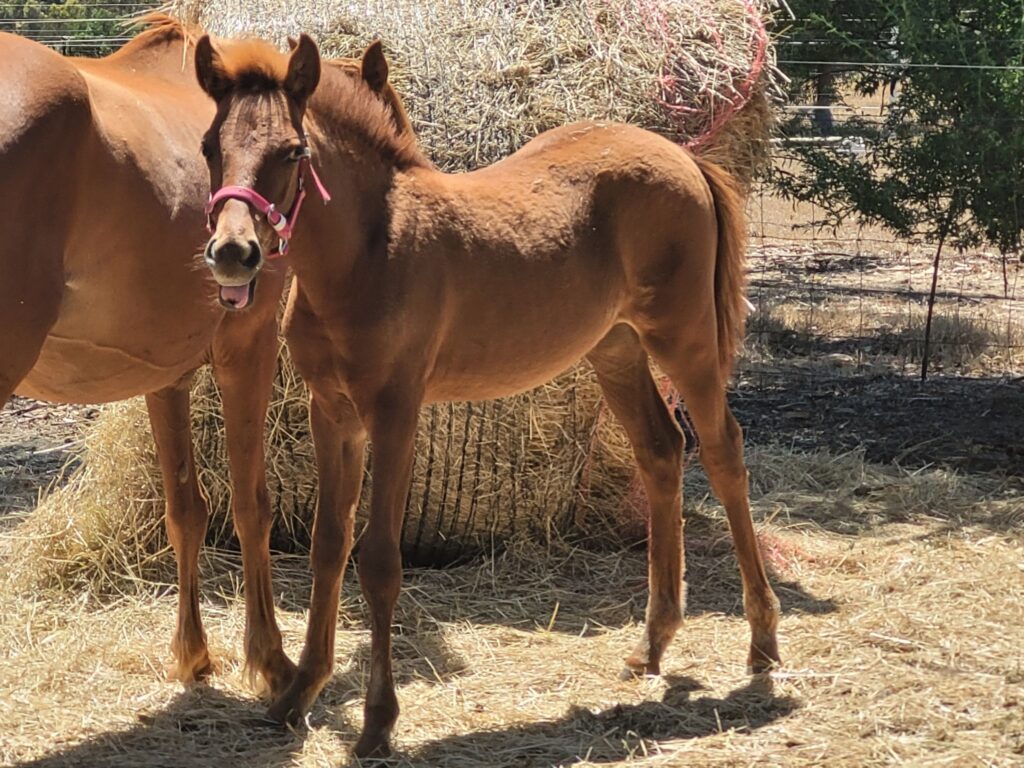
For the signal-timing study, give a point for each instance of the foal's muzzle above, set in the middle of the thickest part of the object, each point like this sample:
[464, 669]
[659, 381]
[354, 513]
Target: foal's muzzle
[234, 264]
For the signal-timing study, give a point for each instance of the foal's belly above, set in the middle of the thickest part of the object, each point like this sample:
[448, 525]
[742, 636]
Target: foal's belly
[520, 341]
[503, 380]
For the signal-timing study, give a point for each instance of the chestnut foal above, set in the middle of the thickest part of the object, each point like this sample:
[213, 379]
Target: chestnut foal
[415, 286]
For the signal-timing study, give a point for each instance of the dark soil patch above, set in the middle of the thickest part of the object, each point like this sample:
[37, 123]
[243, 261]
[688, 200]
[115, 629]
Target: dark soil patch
[38, 446]
[968, 424]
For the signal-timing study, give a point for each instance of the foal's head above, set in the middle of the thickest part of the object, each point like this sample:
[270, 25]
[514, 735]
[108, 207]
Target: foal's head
[257, 149]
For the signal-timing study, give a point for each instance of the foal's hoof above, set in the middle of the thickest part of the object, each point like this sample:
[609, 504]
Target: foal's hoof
[632, 673]
[373, 746]
[764, 657]
[290, 707]
[285, 712]
[642, 662]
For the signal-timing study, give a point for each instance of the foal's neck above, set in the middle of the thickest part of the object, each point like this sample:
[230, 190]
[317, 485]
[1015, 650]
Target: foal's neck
[360, 154]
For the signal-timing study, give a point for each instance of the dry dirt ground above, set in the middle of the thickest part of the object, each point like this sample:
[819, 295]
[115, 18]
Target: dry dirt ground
[891, 514]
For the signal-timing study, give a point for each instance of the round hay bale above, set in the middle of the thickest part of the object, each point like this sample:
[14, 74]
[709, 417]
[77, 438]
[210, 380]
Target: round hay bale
[479, 79]
[484, 472]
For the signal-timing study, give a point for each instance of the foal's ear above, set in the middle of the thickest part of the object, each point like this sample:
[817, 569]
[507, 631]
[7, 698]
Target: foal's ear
[303, 70]
[292, 43]
[210, 70]
[375, 66]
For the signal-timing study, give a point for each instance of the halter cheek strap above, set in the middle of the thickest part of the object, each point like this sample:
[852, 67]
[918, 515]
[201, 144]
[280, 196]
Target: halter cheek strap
[283, 223]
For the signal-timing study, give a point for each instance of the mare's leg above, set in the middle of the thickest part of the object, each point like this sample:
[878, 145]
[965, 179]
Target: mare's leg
[340, 442]
[392, 426]
[629, 389]
[685, 353]
[244, 362]
[186, 516]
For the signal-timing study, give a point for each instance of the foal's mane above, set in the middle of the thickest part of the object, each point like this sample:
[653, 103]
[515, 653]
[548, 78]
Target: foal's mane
[345, 105]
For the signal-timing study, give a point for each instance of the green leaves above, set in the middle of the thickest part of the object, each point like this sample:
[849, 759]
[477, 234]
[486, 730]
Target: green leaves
[947, 158]
[75, 27]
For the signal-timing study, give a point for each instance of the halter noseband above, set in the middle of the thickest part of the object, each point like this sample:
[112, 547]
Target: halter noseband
[283, 223]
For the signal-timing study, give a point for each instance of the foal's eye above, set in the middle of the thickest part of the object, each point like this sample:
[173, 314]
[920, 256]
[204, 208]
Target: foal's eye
[204, 147]
[297, 153]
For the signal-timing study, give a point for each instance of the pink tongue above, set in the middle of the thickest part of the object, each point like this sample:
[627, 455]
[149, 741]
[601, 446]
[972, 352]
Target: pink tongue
[235, 295]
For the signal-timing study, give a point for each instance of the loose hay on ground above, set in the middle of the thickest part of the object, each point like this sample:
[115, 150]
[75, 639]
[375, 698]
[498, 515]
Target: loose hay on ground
[901, 642]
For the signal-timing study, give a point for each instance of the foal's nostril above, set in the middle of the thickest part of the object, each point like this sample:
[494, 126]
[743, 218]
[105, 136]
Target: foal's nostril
[233, 252]
[253, 259]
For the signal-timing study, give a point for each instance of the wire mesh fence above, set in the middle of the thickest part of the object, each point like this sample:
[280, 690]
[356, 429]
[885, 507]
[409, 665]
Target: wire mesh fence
[835, 342]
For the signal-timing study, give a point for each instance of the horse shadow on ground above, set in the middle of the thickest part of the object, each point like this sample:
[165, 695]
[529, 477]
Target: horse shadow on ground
[205, 727]
[202, 727]
[613, 734]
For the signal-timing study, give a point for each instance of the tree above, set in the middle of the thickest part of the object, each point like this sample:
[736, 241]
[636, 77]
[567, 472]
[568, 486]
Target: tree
[945, 162]
[75, 27]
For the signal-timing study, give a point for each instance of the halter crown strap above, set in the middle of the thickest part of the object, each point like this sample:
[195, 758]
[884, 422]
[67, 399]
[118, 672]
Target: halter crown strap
[282, 223]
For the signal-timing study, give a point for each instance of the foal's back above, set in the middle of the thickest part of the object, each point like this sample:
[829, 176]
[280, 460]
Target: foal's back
[586, 226]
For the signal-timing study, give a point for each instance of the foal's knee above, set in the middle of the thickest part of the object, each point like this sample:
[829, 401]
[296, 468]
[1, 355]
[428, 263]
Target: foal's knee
[186, 516]
[328, 552]
[250, 509]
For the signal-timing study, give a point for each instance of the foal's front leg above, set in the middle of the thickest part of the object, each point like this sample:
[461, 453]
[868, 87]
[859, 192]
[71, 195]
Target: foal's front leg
[393, 432]
[340, 442]
[244, 362]
[186, 516]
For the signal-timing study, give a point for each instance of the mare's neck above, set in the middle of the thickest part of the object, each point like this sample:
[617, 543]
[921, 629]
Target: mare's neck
[165, 47]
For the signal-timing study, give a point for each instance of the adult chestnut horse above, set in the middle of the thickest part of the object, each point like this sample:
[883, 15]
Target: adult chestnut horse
[415, 286]
[102, 298]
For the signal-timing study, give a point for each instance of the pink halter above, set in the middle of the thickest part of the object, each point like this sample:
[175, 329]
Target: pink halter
[282, 223]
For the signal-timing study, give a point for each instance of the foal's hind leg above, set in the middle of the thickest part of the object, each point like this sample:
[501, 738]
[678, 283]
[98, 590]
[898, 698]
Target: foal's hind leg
[185, 517]
[695, 371]
[629, 389]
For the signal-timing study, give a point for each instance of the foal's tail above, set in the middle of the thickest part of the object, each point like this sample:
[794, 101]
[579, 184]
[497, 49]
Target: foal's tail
[730, 274]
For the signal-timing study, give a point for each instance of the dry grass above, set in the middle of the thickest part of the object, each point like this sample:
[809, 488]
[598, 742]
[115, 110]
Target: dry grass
[902, 619]
[857, 301]
[888, 335]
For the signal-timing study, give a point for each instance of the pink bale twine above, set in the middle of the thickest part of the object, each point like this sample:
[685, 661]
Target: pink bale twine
[697, 114]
